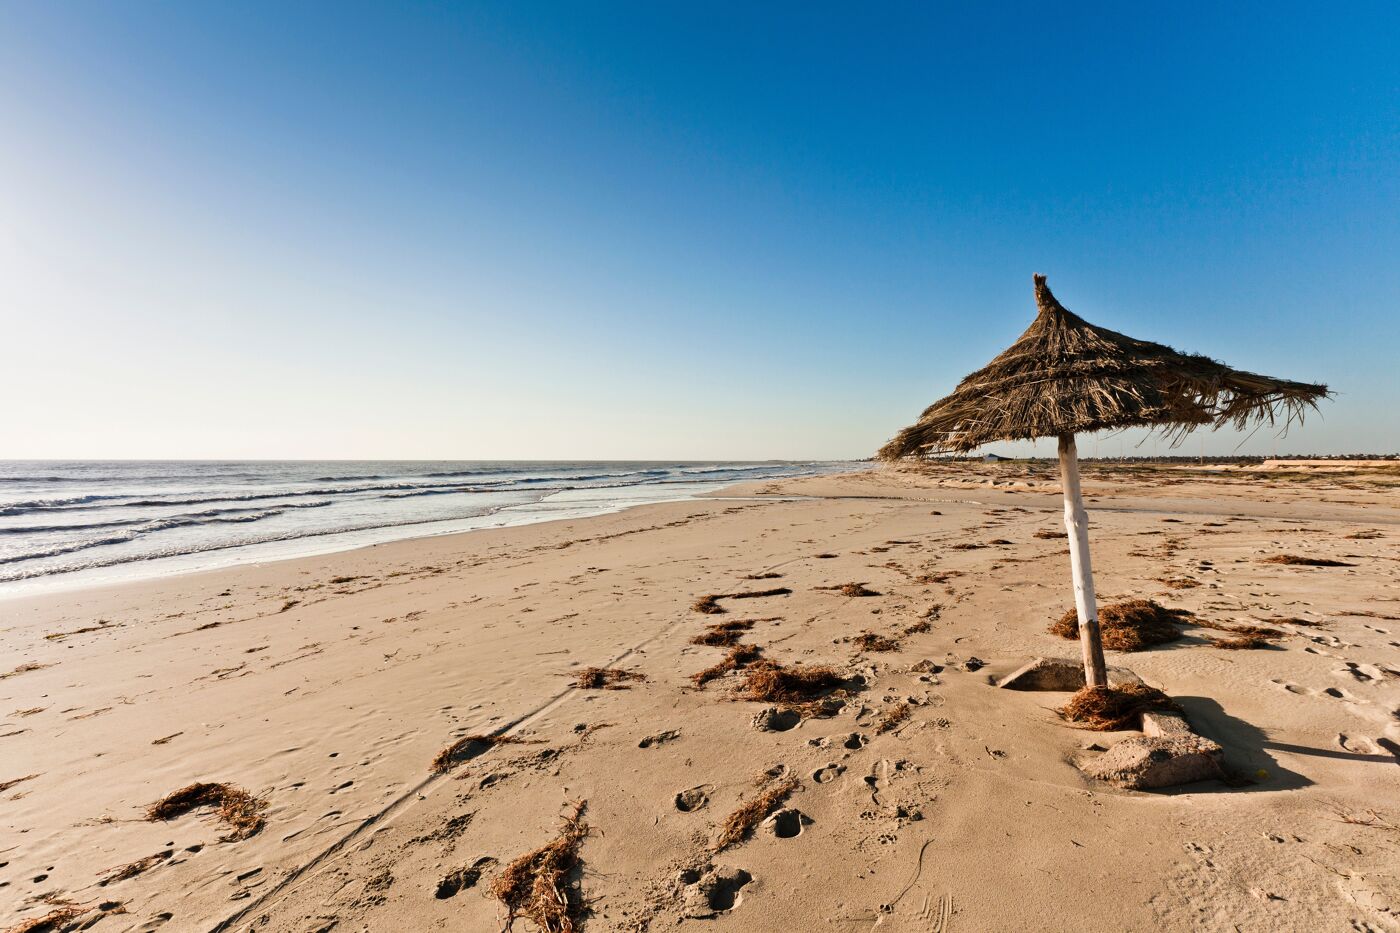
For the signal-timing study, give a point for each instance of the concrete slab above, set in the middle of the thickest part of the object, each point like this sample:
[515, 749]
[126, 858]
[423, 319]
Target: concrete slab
[1148, 762]
[1062, 674]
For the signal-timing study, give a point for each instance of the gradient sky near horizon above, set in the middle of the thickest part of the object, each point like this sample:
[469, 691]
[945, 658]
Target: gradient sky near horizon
[546, 230]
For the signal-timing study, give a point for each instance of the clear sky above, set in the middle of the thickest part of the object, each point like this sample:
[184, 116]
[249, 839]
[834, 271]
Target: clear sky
[657, 230]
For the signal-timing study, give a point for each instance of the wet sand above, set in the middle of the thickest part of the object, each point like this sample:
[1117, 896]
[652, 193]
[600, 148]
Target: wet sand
[328, 685]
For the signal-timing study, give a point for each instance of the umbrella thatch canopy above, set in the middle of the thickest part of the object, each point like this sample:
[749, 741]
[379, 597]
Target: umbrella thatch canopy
[1065, 376]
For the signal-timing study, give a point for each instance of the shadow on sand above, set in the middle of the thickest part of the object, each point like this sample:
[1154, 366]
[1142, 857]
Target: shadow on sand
[1245, 749]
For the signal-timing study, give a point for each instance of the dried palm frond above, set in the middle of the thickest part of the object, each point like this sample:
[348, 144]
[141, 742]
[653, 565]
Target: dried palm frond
[1065, 376]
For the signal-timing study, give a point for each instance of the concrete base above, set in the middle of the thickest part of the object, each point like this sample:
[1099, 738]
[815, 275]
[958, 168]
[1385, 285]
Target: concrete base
[1150, 762]
[1059, 674]
[1158, 724]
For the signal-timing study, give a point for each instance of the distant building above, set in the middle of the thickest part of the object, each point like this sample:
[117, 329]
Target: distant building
[994, 458]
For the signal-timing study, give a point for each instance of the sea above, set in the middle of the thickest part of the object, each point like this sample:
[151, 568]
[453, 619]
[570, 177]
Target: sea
[69, 524]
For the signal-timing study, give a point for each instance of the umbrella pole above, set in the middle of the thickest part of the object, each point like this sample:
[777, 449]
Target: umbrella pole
[1077, 525]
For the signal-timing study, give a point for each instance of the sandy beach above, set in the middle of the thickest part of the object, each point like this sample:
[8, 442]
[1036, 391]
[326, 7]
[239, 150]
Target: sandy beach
[919, 797]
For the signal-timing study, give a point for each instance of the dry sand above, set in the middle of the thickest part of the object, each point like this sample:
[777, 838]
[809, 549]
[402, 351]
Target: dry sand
[929, 801]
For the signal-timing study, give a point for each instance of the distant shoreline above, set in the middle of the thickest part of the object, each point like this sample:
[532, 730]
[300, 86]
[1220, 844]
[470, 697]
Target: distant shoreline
[567, 503]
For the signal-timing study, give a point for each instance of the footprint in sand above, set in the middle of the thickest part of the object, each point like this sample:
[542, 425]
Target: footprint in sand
[1291, 688]
[661, 738]
[1354, 744]
[828, 773]
[787, 823]
[696, 798]
[463, 878]
[1366, 673]
[711, 891]
[773, 719]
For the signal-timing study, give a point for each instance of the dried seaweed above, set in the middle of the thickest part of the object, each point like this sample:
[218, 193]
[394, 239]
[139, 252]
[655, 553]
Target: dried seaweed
[850, 589]
[235, 806]
[1293, 560]
[469, 747]
[1131, 625]
[742, 821]
[1242, 642]
[138, 867]
[894, 718]
[1108, 708]
[536, 885]
[771, 682]
[605, 678]
[872, 641]
[723, 634]
[52, 921]
[739, 656]
[710, 604]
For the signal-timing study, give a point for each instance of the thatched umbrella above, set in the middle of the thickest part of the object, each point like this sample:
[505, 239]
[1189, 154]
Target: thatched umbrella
[1065, 376]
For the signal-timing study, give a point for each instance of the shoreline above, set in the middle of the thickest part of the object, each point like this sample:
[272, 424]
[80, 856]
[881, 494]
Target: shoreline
[327, 684]
[140, 570]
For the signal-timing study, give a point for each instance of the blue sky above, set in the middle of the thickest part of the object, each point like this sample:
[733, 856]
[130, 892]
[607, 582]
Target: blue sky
[652, 230]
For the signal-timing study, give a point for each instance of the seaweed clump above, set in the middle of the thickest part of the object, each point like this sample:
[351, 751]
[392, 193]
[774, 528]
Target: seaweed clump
[742, 821]
[739, 656]
[536, 885]
[1129, 626]
[851, 589]
[771, 682]
[1247, 641]
[605, 678]
[723, 634]
[468, 747]
[1107, 708]
[710, 604]
[871, 641]
[234, 805]
[51, 922]
[894, 719]
[1293, 560]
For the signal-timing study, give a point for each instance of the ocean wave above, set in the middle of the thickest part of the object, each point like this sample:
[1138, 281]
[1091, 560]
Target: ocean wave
[703, 471]
[190, 518]
[108, 525]
[138, 500]
[112, 560]
[151, 526]
[49, 505]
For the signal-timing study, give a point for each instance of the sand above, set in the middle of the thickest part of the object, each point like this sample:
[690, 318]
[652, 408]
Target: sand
[923, 798]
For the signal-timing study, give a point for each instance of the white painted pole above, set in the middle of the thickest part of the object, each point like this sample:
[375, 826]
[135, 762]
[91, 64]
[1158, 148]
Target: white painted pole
[1077, 526]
